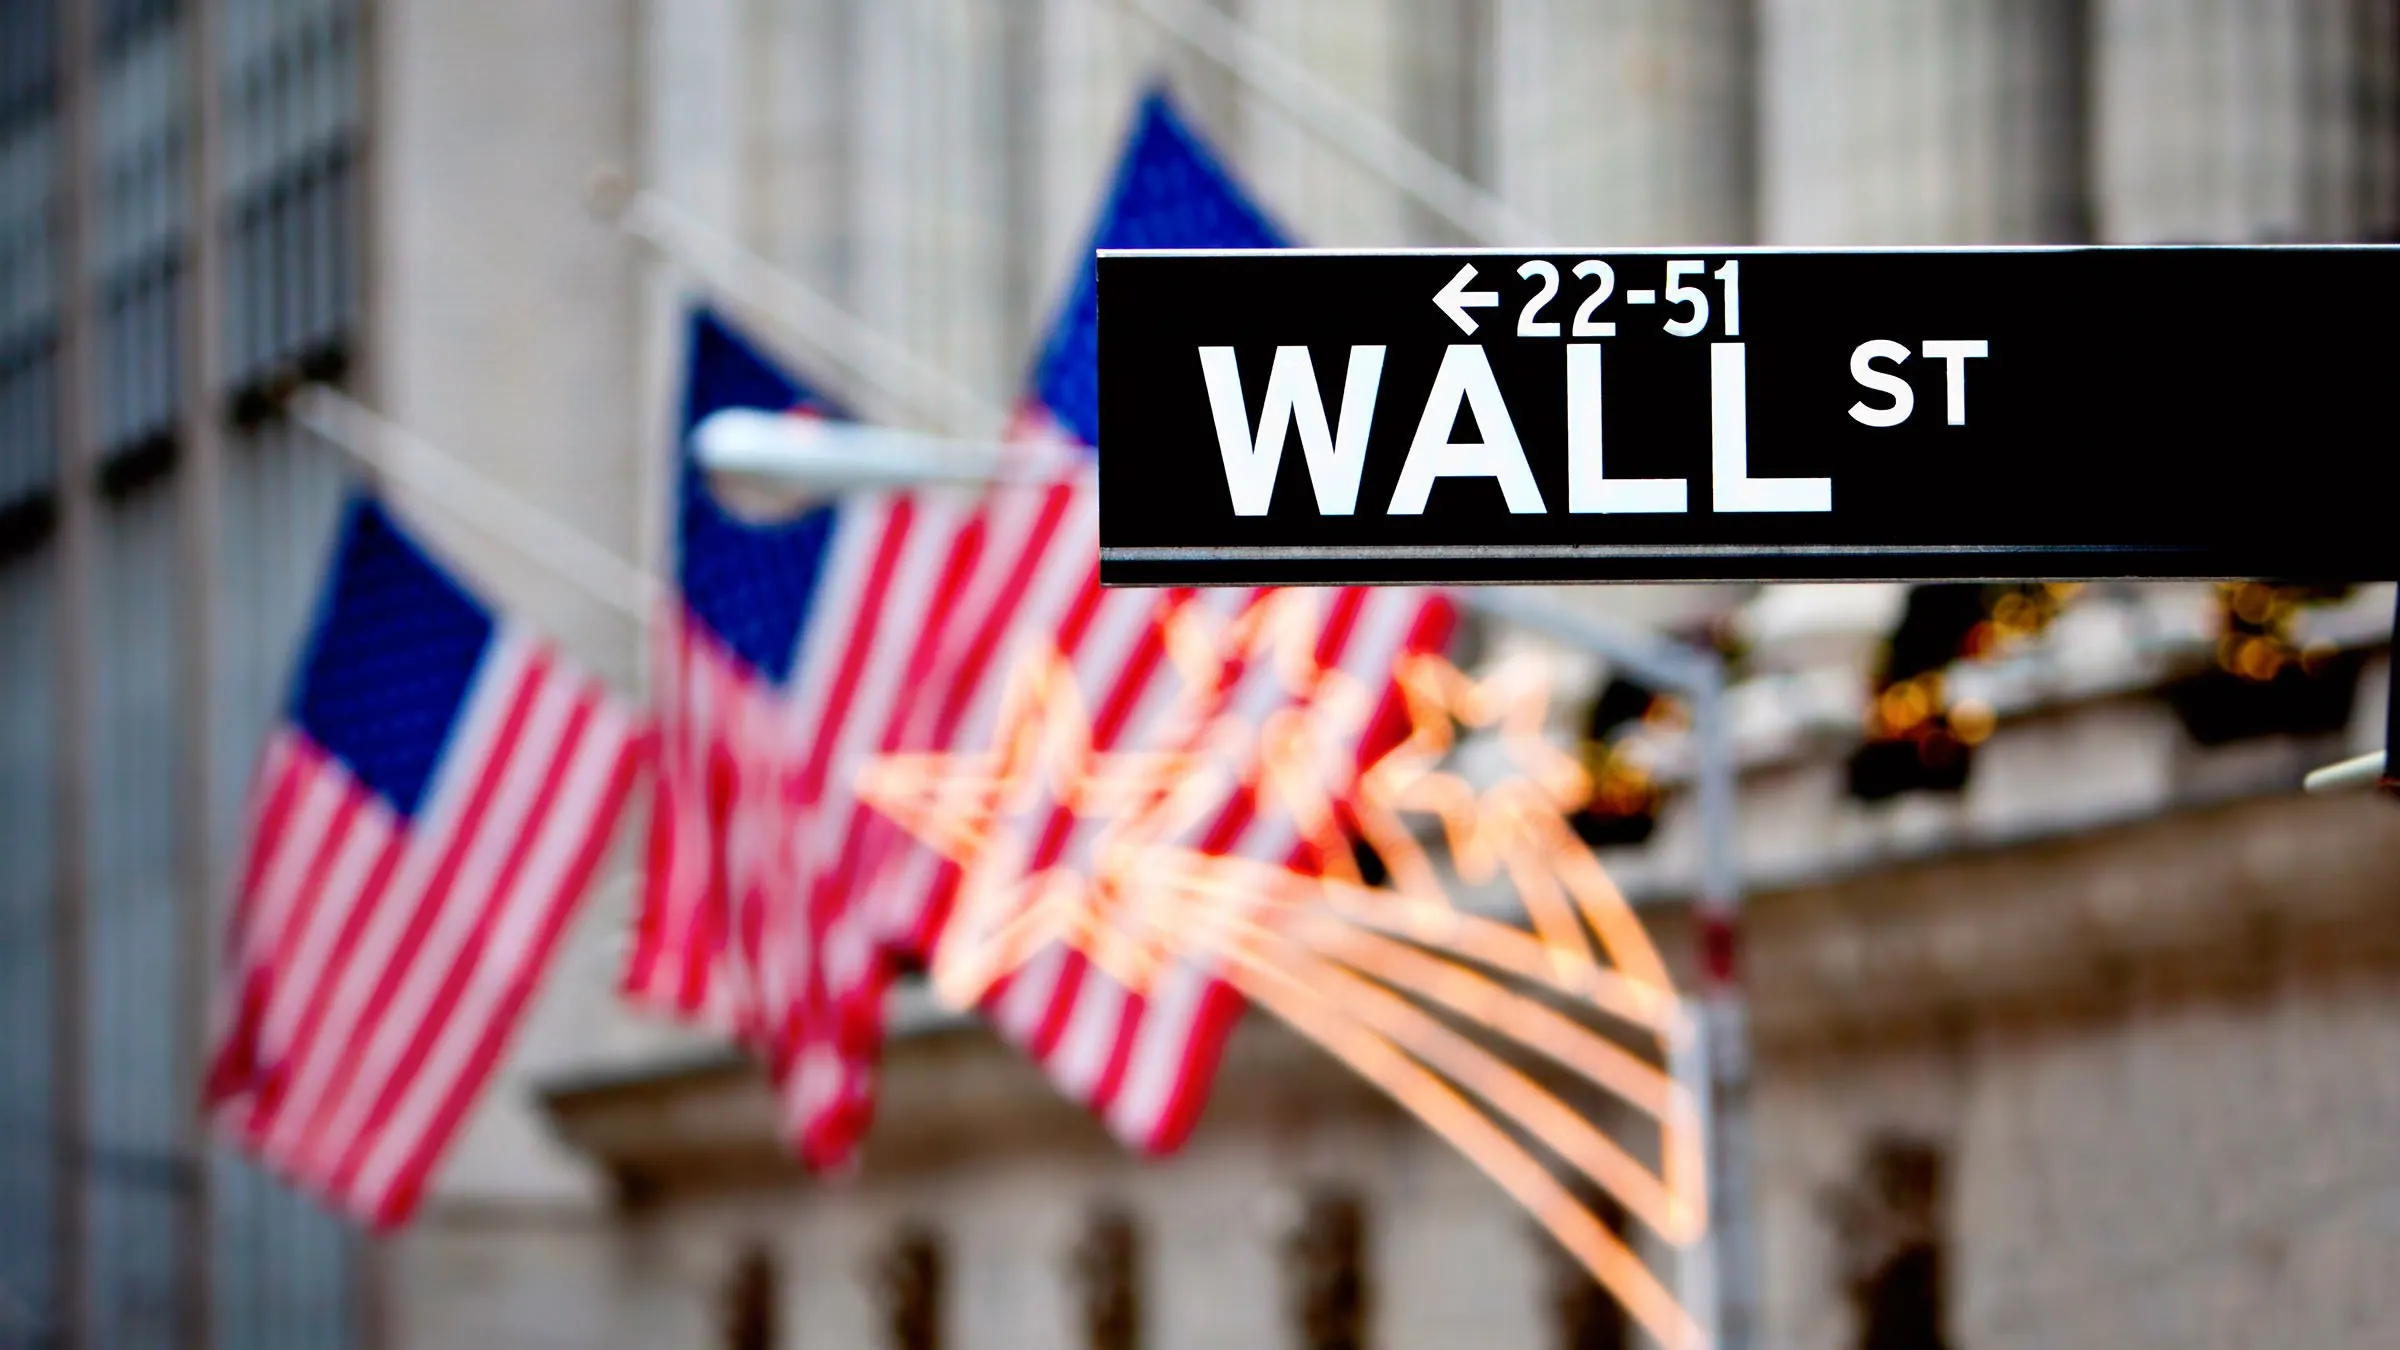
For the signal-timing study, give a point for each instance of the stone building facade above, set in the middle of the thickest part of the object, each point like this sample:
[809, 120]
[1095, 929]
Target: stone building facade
[2094, 1049]
[2123, 1082]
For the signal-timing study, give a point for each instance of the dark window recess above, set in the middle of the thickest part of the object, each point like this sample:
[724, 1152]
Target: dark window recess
[28, 424]
[26, 523]
[1583, 1314]
[291, 293]
[1889, 1225]
[1108, 1278]
[141, 340]
[909, 1277]
[138, 465]
[123, 21]
[28, 58]
[1325, 1269]
[2265, 681]
[750, 1303]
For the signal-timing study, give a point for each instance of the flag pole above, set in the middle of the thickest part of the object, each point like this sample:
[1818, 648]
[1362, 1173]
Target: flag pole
[1717, 1278]
[2371, 770]
[1369, 142]
[475, 498]
[2363, 771]
[909, 385]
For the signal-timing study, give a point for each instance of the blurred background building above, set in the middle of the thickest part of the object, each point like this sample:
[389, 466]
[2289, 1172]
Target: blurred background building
[2073, 1024]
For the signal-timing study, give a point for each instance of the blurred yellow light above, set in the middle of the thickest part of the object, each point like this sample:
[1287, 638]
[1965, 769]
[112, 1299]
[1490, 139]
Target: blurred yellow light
[1972, 720]
[2254, 603]
[1904, 706]
[2259, 659]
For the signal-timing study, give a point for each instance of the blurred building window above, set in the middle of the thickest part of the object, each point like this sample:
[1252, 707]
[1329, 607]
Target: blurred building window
[28, 288]
[1889, 1226]
[751, 1292]
[1108, 1277]
[910, 1276]
[290, 84]
[136, 251]
[1326, 1271]
[922, 115]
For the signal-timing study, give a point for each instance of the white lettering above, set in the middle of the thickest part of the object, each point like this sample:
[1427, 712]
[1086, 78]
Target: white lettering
[1334, 458]
[1862, 369]
[1465, 377]
[1729, 455]
[1956, 353]
[1589, 490]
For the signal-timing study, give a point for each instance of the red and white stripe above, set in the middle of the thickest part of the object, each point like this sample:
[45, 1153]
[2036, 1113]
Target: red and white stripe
[1143, 1063]
[779, 915]
[378, 965]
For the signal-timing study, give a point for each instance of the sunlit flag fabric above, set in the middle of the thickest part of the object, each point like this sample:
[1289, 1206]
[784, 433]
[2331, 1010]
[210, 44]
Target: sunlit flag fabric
[424, 821]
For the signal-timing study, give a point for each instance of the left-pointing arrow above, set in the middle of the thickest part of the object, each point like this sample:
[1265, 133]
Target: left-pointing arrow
[1455, 299]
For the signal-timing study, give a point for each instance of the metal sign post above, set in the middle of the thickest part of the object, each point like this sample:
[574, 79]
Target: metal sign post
[1718, 1278]
[1670, 415]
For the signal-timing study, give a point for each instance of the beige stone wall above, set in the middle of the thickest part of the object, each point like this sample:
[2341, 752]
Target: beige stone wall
[1625, 123]
[2164, 1065]
[511, 1277]
[1918, 121]
[2189, 1172]
[971, 1143]
[2272, 120]
[506, 319]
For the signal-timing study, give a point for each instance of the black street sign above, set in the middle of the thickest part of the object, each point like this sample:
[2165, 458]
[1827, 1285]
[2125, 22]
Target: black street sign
[1695, 415]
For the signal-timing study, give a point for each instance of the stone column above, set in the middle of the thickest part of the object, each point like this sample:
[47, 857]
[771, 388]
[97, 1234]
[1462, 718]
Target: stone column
[1921, 121]
[1626, 122]
[2266, 120]
[1371, 54]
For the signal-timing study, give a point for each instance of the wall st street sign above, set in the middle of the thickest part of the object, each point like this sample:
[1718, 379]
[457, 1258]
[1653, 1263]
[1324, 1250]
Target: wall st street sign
[1466, 416]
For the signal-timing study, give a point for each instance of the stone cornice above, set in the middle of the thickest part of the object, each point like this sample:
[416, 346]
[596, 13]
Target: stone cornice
[2222, 899]
[2208, 902]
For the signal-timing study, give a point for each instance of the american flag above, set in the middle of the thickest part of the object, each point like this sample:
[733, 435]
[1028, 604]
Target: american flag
[423, 823]
[798, 648]
[778, 905]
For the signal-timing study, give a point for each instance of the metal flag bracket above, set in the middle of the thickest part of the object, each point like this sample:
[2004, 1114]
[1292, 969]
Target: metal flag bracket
[2376, 767]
